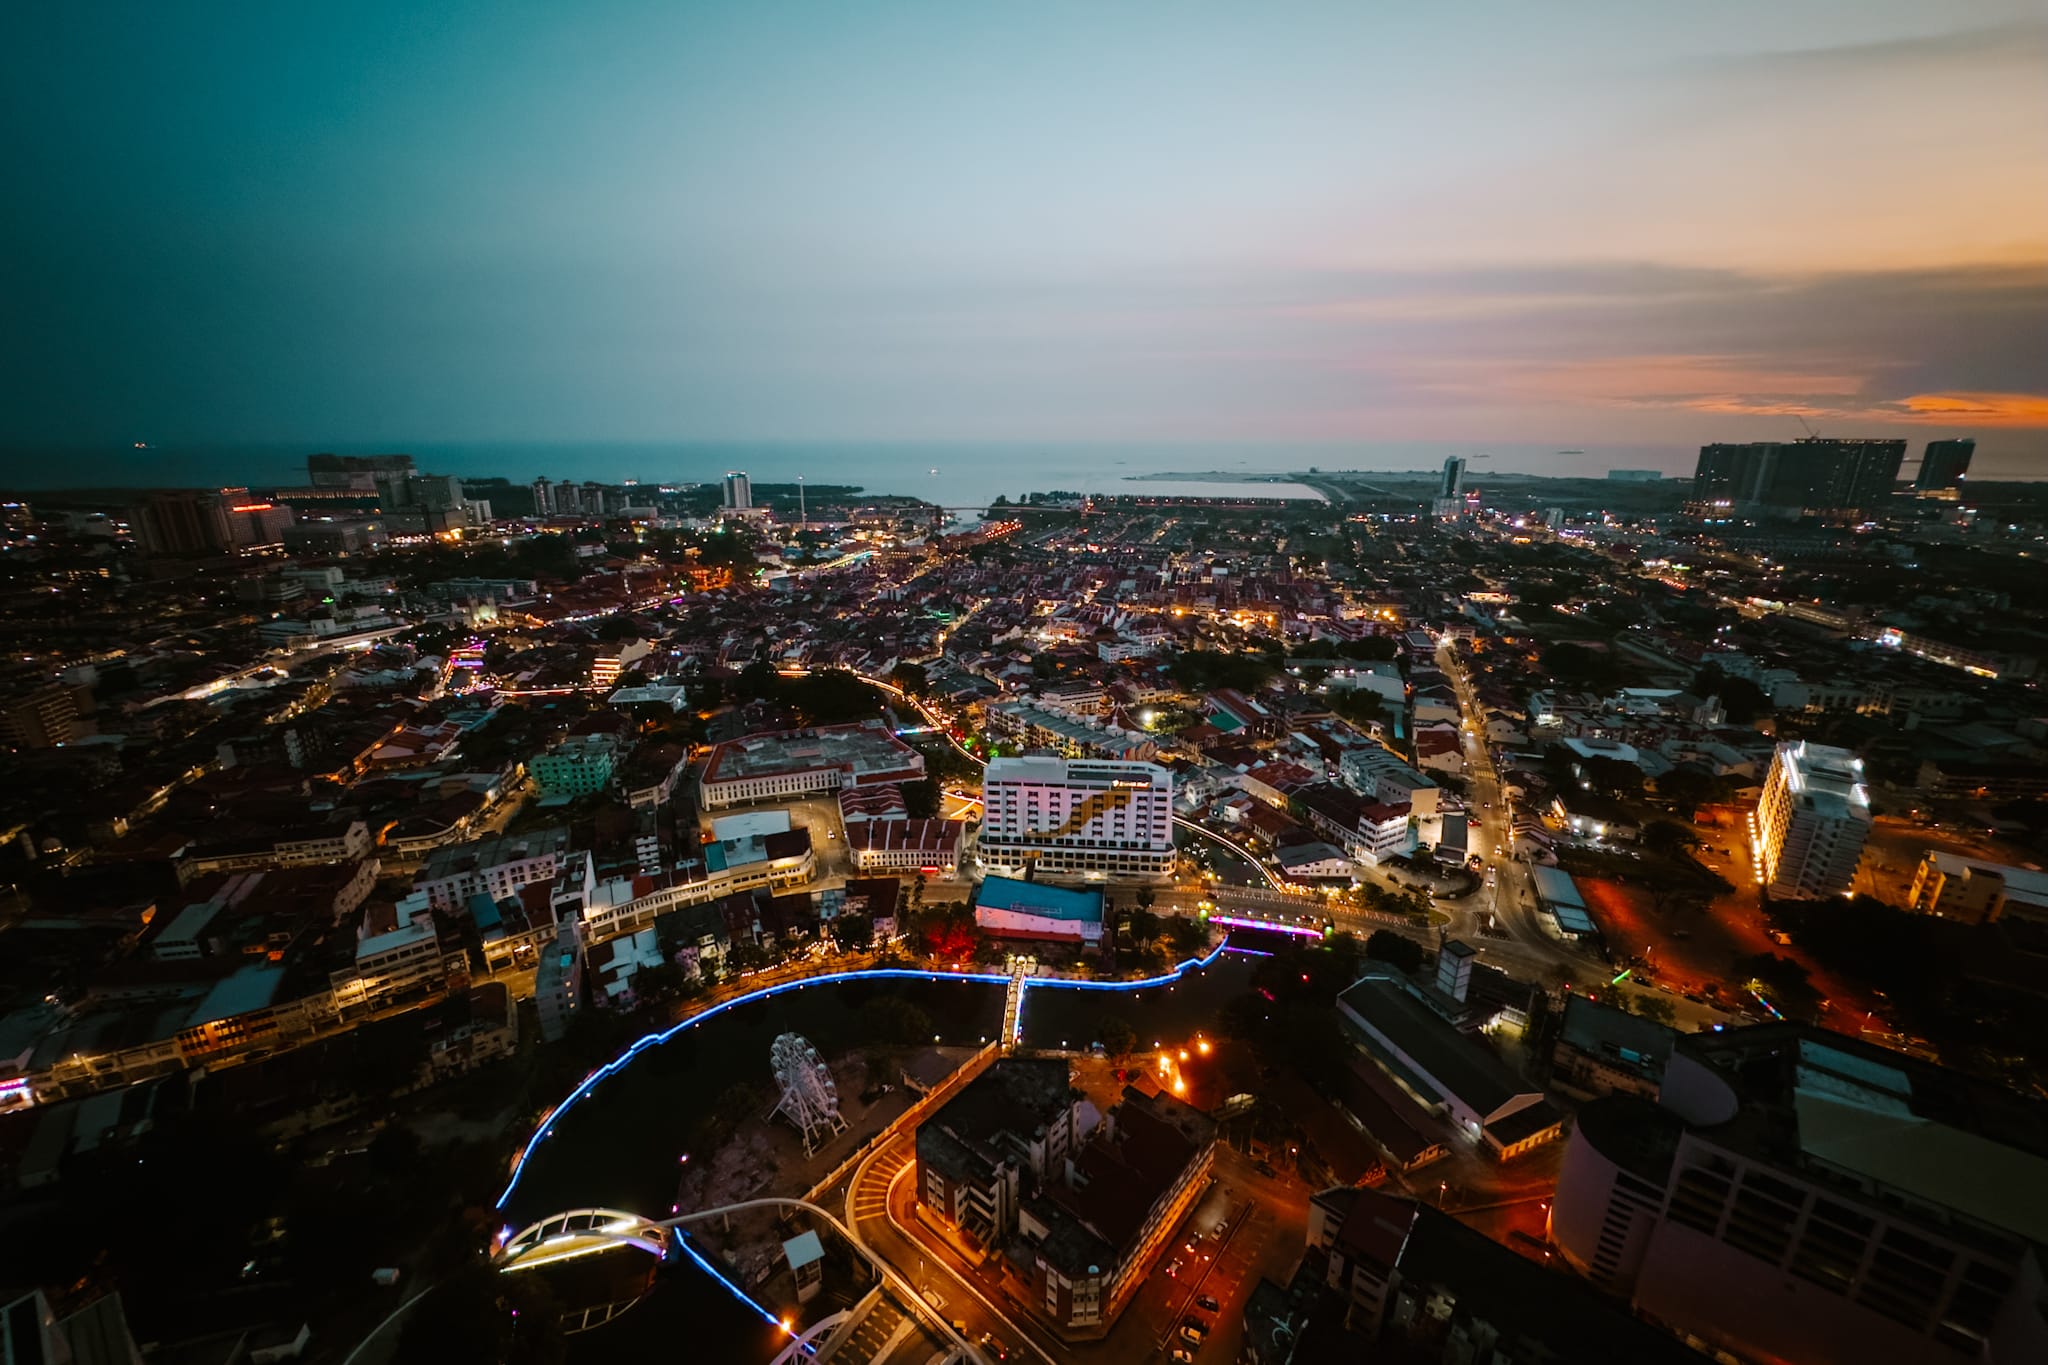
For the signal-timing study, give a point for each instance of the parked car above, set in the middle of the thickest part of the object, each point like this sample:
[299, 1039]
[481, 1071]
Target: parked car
[1207, 1304]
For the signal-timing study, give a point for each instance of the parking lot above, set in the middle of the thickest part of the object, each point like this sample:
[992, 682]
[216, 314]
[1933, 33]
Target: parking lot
[1265, 1222]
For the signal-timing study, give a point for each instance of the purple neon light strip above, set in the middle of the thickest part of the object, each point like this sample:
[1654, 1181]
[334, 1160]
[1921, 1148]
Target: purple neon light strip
[1299, 930]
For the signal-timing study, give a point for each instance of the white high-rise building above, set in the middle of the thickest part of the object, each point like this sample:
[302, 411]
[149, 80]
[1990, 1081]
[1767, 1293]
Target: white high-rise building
[1077, 818]
[739, 491]
[1812, 821]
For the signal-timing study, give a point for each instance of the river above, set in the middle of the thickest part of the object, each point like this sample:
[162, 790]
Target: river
[615, 1144]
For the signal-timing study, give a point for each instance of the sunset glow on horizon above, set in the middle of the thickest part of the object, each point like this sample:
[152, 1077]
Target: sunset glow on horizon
[1581, 224]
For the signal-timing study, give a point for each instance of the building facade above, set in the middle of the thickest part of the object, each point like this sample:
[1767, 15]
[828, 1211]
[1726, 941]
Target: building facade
[1975, 891]
[1005, 1133]
[1096, 1234]
[1824, 476]
[791, 765]
[498, 867]
[1944, 466]
[1073, 818]
[1801, 1195]
[1812, 822]
[580, 765]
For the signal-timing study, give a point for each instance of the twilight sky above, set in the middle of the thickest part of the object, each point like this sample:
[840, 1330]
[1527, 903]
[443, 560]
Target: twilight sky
[1581, 222]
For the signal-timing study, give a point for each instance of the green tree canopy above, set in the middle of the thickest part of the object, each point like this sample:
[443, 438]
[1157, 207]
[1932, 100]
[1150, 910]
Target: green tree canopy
[1384, 945]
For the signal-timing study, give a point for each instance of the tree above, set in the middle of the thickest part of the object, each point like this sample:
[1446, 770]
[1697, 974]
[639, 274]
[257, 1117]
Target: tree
[1359, 705]
[1667, 837]
[1198, 670]
[911, 678]
[1685, 788]
[1187, 936]
[758, 681]
[664, 980]
[1403, 952]
[1577, 666]
[949, 932]
[921, 798]
[1372, 649]
[1143, 924]
[1345, 950]
[746, 957]
[1742, 699]
[1116, 1035]
[1614, 776]
[1655, 1008]
[854, 932]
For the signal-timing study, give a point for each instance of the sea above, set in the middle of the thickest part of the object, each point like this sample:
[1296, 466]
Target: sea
[962, 475]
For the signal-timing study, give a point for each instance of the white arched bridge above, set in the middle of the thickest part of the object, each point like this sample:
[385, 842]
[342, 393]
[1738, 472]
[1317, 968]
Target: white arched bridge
[580, 1232]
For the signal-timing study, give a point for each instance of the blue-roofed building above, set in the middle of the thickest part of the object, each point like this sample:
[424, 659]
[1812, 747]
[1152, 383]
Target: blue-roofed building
[483, 911]
[1012, 908]
[1559, 897]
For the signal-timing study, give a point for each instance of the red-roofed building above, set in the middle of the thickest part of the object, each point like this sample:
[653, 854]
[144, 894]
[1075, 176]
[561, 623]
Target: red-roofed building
[1274, 782]
[1439, 748]
[905, 845]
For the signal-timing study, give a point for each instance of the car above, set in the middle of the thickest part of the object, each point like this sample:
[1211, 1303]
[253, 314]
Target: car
[1194, 1329]
[1183, 1354]
[1221, 1224]
[1206, 1304]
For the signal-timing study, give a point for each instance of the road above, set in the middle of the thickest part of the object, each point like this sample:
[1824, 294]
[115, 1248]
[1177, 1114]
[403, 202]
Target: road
[1510, 895]
[1265, 1222]
[879, 1207]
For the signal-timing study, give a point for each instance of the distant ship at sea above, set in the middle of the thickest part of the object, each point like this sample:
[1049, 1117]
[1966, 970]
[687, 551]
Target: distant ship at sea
[1571, 452]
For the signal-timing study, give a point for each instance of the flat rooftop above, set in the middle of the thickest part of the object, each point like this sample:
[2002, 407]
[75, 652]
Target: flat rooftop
[1826, 779]
[1076, 772]
[1036, 898]
[1452, 1060]
[1944, 1140]
[863, 751]
[1019, 1095]
[494, 852]
[2028, 888]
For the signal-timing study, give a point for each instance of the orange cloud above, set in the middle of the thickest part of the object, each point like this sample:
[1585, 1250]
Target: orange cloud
[1737, 386]
[1980, 409]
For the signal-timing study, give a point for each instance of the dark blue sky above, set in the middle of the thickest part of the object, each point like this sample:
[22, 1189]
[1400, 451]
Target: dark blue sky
[1585, 222]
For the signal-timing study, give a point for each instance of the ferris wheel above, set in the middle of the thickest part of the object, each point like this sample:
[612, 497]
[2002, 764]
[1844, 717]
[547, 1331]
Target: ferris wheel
[810, 1099]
